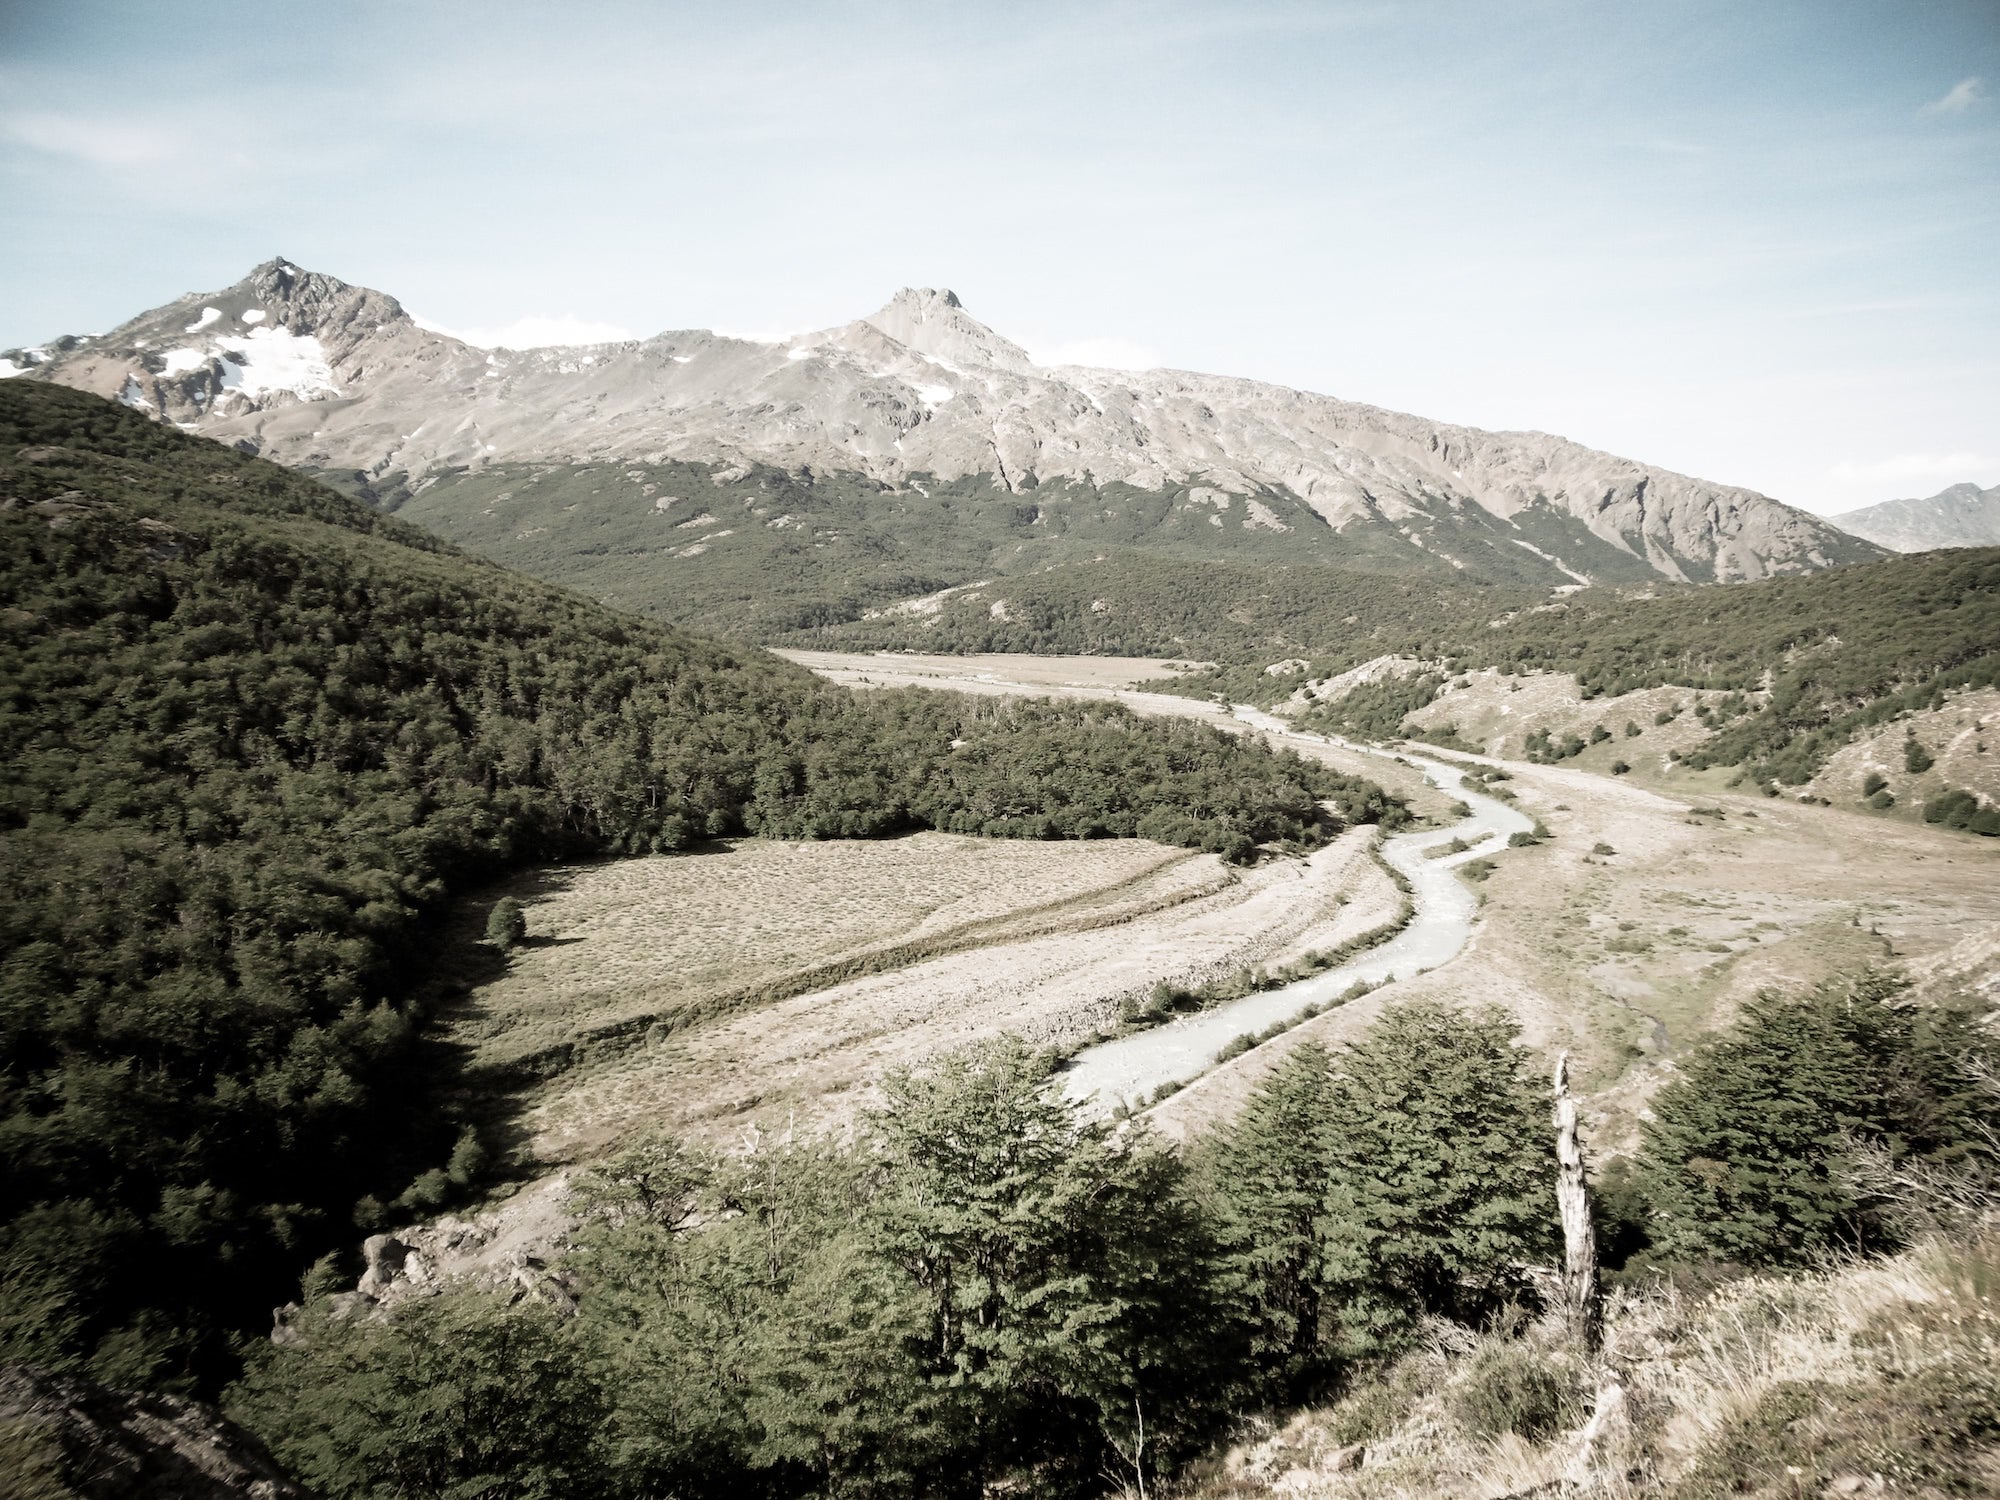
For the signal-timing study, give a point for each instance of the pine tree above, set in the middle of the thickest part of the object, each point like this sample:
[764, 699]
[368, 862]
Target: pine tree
[1269, 1171]
[1441, 1172]
[1746, 1158]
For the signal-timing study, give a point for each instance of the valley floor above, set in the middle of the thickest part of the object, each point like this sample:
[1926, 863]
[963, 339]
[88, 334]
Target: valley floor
[1643, 921]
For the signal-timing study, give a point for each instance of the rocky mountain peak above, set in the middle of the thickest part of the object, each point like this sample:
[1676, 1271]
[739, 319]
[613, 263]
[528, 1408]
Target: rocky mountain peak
[932, 321]
[315, 372]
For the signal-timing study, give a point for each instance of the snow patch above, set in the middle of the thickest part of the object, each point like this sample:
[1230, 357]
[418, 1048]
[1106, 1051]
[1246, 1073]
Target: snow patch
[208, 315]
[682, 359]
[181, 361]
[1581, 579]
[1262, 517]
[255, 315]
[933, 395]
[133, 396]
[8, 369]
[276, 360]
[806, 353]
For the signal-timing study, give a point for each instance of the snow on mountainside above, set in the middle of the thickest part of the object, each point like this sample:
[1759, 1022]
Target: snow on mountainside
[1962, 516]
[325, 376]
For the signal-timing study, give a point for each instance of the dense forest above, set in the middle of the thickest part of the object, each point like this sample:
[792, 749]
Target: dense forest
[986, 1290]
[256, 735]
[1128, 604]
[781, 555]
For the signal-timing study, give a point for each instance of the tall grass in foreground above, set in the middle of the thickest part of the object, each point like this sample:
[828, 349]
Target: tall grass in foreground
[1863, 1377]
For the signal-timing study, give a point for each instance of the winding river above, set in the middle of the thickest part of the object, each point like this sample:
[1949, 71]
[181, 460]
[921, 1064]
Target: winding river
[1132, 1067]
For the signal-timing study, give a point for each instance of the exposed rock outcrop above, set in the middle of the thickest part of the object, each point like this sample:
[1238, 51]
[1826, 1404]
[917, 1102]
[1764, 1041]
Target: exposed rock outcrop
[61, 1437]
[1961, 516]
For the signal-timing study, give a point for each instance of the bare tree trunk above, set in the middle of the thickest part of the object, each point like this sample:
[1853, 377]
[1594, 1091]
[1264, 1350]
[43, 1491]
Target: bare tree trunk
[1581, 1298]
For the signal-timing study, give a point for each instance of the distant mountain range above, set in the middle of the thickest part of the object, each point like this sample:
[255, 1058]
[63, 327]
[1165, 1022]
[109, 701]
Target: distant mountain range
[908, 451]
[1962, 516]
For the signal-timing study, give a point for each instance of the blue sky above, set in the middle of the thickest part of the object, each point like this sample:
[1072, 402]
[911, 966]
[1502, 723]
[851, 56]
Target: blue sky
[1756, 242]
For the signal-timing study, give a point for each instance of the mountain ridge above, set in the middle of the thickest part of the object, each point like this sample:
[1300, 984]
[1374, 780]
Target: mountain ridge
[333, 378]
[1960, 515]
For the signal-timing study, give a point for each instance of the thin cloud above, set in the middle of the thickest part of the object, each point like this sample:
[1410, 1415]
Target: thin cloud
[1962, 96]
[100, 142]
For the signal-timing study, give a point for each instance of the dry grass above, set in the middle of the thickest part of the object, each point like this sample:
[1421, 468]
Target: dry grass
[816, 1057]
[626, 944]
[1877, 1377]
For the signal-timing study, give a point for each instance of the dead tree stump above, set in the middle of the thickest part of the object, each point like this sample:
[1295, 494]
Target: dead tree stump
[1582, 1303]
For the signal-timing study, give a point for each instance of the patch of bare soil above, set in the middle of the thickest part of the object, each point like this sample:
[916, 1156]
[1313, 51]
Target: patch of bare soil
[1014, 670]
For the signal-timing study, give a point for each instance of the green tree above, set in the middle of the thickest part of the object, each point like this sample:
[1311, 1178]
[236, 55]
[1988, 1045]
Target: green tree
[1441, 1172]
[1064, 1279]
[1746, 1158]
[461, 1396]
[1269, 1175]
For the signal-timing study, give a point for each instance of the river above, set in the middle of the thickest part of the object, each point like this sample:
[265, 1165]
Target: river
[1132, 1067]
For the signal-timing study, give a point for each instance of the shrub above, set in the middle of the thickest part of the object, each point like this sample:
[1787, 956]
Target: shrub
[1963, 810]
[1517, 1386]
[1872, 783]
[1916, 759]
[506, 924]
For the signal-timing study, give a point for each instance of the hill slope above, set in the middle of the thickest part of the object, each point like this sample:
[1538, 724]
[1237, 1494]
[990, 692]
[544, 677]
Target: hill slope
[905, 451]
[256, 735]
[1962, 516]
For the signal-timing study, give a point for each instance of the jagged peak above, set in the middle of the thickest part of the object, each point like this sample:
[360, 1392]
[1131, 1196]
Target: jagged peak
[931, 320]
[925, 296]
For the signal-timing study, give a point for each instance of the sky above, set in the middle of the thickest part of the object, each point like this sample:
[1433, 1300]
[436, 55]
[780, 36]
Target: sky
[1754, 242]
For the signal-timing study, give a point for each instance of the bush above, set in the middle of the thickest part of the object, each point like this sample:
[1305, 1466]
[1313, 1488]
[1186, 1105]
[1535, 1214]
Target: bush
[506, 924]
[1963, 810]
[1916, 759]
[1872, 783]
[1518, 1386]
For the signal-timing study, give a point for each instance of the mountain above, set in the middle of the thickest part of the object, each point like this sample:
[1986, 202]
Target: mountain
[1962, 516]
[765, 484]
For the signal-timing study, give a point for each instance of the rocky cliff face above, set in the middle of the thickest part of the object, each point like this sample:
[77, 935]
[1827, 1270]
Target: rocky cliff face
[325, 376]
[1962, 516]
[68, 1439]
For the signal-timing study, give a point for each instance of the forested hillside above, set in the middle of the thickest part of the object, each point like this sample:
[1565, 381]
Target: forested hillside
[255, 736]
[1812, 660]
[1129, 604]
